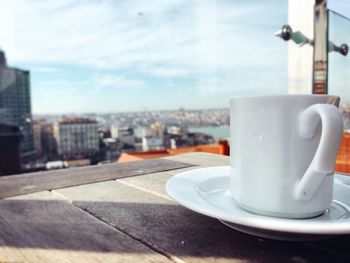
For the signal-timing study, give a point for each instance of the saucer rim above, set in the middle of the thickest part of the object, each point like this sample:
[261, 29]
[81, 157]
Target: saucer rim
[297, 226]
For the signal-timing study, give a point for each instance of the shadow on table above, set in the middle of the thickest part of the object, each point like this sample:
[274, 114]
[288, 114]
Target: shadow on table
[171, 229]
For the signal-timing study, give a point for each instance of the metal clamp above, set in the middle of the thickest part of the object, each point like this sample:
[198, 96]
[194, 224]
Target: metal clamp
[286, 33]
[343, 49]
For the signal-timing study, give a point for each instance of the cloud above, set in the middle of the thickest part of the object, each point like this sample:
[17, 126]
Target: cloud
[136, 45]
[117, 82]
[169, 72]
[112, 34]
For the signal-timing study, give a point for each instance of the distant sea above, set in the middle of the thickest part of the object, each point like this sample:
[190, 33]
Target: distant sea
[218, 132]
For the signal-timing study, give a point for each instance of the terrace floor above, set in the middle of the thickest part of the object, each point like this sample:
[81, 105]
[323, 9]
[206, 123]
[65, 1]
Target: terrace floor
[121, 213]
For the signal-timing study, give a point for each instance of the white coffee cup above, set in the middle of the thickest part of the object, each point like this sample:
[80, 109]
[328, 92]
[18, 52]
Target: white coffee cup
[283, 152]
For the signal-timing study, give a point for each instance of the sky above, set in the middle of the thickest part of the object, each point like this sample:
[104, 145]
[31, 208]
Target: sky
[111, 56]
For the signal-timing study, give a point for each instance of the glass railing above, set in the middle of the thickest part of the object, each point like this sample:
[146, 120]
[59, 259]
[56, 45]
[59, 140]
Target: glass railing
[339, 79]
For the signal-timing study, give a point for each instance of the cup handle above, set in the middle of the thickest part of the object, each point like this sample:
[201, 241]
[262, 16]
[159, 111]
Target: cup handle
[323, 162]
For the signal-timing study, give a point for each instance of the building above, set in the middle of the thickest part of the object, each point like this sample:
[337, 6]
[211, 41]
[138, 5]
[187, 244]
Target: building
[44, 141]
[48, 142]
[15, 105]
[152, 143]
[76, 138]
[153, 137]
[124, 134]
[37, 135]
[111, 149]
[125, 138]
[10, 158]
[156, 130]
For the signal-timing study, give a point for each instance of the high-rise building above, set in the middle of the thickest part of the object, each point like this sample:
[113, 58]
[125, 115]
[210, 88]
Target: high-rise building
[10, 160]
[15, 106]
[76, 137]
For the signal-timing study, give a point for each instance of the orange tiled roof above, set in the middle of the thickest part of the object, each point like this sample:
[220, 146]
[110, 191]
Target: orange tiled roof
[221, 148]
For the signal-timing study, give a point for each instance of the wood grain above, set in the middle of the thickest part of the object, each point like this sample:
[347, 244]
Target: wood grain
[182, 233]
[34, 182]
[40, 228]
[131, 220]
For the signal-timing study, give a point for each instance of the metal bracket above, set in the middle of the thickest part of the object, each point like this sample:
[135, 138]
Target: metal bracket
[286, 33]
[342, 49]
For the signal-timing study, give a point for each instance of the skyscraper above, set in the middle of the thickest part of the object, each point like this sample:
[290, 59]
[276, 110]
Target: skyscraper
[15, 106]
[10, 160]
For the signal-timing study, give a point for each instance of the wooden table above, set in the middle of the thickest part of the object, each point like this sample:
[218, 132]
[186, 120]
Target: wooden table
[121, 213]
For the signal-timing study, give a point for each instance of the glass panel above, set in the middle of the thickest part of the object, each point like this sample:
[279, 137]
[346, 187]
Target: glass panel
[339, 80]
[300, 56]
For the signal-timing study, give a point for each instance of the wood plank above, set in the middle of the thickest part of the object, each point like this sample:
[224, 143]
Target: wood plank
[34, 182]
[201, 158]
[41, 228]
[182, 233]
[152, 183]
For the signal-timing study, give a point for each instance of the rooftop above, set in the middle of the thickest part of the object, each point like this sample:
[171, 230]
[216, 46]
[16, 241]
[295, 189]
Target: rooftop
[76, 120]
[222, 148]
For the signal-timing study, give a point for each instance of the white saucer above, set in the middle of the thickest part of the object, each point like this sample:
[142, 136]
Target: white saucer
[206, 191]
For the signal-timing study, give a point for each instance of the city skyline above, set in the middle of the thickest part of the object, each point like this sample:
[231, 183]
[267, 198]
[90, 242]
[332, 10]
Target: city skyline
[15, 105]
[113, 56]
